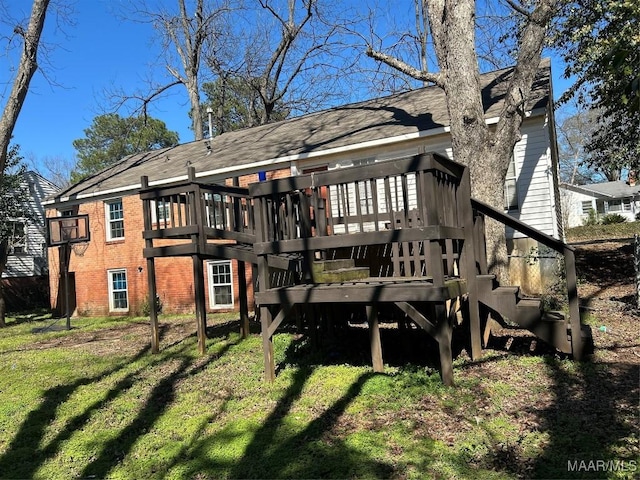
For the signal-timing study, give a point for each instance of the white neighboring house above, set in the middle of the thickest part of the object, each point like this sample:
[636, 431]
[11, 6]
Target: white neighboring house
[28, 244]
[605, 198]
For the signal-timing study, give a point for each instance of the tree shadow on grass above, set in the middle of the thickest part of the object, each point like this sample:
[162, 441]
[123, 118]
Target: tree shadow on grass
[594, 418]
[277, 448]
[24, 456]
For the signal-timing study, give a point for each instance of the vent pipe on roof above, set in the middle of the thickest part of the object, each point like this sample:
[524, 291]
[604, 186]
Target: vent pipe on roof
[210, 120]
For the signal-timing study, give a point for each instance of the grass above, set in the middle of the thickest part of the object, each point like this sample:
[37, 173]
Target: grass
[94, 403]
[603, 232]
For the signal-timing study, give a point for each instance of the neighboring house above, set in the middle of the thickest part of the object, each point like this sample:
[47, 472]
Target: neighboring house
[619, 197]
[27, 264]
[110, 277]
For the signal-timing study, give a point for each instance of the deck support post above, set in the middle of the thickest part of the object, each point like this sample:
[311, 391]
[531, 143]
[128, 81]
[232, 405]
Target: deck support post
[374, 337]
[267, 345]
[201, 312]
[153, 313]
[443, 336]
[242, 297]
[151, 273]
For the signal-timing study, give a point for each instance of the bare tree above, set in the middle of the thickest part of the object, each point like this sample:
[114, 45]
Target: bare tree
[186, 32]
[26, 69]
[290, 57]
[486, 151]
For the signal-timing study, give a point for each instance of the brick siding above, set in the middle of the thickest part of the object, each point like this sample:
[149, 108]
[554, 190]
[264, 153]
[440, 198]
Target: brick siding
[174, 276]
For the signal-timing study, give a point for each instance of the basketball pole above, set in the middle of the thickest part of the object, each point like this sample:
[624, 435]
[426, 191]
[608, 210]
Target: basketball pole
[66, 255]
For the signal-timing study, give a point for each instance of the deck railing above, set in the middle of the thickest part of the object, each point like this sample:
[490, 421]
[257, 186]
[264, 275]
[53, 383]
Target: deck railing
[567, 252]
[184, 209]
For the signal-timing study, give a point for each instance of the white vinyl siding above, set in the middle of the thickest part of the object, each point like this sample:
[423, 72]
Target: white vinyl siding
[32, 260]
[220, 284]
[114, 219]
[535, 174]
[118, 290]
[533, 168]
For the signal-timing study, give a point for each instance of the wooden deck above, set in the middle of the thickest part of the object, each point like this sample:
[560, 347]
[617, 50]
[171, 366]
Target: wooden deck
[400, 236]
[403, 220]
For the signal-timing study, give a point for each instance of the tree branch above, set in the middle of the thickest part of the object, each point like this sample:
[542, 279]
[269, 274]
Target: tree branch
[405, 67]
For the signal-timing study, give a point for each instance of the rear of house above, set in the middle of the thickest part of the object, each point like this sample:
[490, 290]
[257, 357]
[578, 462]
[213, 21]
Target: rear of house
[110, 276]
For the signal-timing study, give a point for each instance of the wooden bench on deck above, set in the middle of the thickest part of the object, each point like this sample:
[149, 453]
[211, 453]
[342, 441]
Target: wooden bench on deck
[408, 223]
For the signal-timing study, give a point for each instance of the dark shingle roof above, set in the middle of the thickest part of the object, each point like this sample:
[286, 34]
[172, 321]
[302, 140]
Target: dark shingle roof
[617, 189]
[373, 120]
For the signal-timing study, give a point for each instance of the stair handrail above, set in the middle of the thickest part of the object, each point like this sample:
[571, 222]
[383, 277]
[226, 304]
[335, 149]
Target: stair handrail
[577, 345]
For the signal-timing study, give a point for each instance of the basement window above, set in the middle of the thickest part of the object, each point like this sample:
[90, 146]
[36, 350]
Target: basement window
[118, 291]
[220, 285]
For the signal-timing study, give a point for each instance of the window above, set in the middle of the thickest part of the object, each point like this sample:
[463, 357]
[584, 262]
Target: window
[220, 285]
[18, 239]
[587, 206]
[118, 293]
[161, 212]
[216, 211]
[510, 190]
[114, 219]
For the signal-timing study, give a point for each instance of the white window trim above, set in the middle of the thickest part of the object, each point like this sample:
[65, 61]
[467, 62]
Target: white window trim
[110, 273]
[23, 239]
[108, 220]
[212, 304]
[512, 178]
[165, 214]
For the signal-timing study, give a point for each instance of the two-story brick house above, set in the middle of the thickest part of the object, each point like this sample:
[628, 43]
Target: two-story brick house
[110, 277]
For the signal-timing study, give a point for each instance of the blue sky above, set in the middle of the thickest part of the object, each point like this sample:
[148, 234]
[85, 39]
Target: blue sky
[99, 51]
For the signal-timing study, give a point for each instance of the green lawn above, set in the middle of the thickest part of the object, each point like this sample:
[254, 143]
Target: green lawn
[95, 403]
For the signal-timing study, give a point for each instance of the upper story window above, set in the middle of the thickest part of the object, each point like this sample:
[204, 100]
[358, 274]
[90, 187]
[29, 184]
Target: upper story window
[510, 190]
[114, 219]
[18, 238]
[160, 212]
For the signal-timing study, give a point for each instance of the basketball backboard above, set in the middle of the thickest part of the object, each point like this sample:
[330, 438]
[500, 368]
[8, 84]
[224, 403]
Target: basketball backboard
[69, 229]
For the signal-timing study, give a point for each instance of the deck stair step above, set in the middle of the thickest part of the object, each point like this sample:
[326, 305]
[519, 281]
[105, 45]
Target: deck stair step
[343, 270]
[527, 313]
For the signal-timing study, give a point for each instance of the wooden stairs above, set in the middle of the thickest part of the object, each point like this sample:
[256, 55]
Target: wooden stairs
[509, 307]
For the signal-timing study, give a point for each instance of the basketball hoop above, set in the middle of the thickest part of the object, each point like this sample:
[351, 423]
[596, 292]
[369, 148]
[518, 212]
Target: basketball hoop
[79, 248]
[68, 233]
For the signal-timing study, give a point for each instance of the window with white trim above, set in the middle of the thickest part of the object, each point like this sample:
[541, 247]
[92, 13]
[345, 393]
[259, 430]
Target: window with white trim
[220, 284]
[587, 206]
[118, 291]
[510, 190]
[114, 214]
[18, 238]
[160, 212]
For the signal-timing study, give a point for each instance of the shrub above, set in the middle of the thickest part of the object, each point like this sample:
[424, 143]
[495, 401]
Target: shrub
[613, 218]
[145, 307]
[592, 219]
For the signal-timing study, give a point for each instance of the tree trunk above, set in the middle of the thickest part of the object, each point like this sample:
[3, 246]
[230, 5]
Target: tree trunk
[4, 253]
[27, 67]
[196, 111]
[471, 140]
